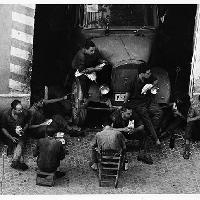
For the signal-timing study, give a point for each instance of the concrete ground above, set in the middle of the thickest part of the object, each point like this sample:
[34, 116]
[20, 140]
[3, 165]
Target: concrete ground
[170, 173]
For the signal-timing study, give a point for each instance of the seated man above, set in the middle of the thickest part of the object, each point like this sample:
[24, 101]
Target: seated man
[141, 100]
[49, 152]
[14, 124]
[107, 139]
[193, 126]
[38, 122]
[121, 119]
[87, 62]
[178, 117]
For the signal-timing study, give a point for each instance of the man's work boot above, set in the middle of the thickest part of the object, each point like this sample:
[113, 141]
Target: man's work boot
[172, 142]
[186, 153]
[15, 164]
[145, 158]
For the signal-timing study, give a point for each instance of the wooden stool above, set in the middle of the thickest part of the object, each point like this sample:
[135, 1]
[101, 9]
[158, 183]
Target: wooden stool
[45, 179]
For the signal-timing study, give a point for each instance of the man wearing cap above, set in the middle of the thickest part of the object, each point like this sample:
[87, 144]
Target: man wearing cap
[49, 152]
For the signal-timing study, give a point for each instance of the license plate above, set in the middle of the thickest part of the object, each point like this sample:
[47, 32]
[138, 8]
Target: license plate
[119, 97]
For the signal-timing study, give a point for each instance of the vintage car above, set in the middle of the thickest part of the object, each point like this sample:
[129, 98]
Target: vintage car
[125, 47]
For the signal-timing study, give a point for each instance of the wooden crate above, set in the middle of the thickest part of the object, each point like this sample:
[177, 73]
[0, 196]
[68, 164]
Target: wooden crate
[45, 179]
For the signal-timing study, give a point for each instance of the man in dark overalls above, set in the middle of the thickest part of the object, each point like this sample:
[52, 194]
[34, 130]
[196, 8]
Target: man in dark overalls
[121, 121]
[143, 102]
[87, 62]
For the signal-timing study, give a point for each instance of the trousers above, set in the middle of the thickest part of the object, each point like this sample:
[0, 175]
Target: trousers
[85, 83]
[150, 114]
[17, 149]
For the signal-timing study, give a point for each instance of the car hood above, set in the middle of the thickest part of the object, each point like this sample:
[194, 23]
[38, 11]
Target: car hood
[121, 49]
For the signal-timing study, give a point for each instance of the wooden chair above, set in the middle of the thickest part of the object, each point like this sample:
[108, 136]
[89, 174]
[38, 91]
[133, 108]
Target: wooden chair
[109, 166]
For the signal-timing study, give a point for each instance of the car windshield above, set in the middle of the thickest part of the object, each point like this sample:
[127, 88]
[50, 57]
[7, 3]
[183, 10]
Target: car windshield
[119, 16]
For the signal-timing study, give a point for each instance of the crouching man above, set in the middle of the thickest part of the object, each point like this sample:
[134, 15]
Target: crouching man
[122, 120]
[14, 124]
[141, 98]
[107, 139]
[49, 152]
[88, 62]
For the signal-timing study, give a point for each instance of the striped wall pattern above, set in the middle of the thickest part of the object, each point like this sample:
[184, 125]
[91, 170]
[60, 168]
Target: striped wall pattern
[21, 44]
[194, 88]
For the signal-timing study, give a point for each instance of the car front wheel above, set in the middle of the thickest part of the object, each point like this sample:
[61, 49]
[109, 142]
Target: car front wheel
[79, 113]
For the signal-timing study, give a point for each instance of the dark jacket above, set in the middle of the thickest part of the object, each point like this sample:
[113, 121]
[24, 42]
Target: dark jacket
[49, 151]
[82, 61]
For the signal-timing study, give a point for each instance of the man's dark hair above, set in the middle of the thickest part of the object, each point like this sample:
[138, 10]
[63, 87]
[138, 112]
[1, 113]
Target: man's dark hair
[50, 132]
[88, 44]
[15, 103]
[126, 107]
[107, 122]
[143, 68]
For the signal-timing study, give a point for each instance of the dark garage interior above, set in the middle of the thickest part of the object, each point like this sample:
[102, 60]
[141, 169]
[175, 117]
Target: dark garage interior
[55, 43]
[175, 44]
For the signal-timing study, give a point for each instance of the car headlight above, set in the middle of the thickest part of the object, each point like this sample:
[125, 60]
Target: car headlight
[104, 89]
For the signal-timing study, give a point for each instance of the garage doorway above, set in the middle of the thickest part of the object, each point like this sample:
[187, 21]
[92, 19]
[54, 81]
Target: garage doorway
[56, 40]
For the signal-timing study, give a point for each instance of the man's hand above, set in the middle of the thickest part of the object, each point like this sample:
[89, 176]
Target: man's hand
[93, 69]
[126, 129]
[14, 139]
[85, 71]
[65, 97]
[19, 130]
[98, 68]
[88, 70]
[47, 123]
[146, 88]
[103, 61]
